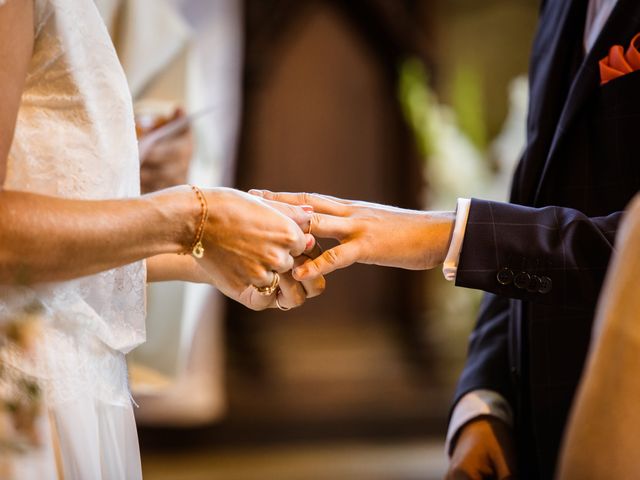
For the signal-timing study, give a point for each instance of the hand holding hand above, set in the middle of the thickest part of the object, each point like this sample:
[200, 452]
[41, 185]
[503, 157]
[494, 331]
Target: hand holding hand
[246, 240]
[484, 449]
[370, 233]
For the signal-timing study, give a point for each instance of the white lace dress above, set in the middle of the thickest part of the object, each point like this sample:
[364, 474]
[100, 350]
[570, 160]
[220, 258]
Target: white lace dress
[75, 138]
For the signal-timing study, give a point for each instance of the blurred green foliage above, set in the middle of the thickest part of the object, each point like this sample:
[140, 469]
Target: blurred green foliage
[468, 102]
[417, 101]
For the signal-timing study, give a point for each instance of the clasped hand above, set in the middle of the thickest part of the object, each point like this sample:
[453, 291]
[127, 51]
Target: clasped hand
[250, 236]
[246, 239]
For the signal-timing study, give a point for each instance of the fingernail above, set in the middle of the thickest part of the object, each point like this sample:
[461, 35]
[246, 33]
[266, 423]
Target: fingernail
[307, 208]
[311, 241]
[255, 191]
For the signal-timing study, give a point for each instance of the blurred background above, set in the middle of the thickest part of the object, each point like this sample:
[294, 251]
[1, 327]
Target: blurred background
[407, 102]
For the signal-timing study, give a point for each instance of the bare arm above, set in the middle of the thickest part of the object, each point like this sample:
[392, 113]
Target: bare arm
[47, 238]
[44, 238]
[16, 46]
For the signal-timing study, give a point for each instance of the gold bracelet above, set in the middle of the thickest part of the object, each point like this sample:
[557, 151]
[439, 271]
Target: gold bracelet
[196, 249]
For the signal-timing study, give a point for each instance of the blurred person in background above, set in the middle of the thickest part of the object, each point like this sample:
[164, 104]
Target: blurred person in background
[541, 258]
[601, 440]
[181, 58]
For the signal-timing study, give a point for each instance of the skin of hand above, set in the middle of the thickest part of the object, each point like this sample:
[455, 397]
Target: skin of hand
[483, 450]
[370, 233]
[293, 294]
[246, 239]
[166, 163]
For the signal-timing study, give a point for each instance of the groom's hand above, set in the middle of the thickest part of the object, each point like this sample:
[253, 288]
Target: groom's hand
[370, 233]
[484, 449]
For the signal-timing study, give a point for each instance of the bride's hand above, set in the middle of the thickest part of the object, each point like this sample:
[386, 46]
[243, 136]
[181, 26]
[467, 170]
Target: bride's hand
[370, 233]
[246, 240]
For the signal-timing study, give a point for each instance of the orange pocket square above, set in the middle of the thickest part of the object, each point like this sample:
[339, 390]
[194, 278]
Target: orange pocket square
[619, 62]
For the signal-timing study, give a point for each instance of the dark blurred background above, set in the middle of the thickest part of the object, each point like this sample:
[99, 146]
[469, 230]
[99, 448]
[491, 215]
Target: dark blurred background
[355, 384]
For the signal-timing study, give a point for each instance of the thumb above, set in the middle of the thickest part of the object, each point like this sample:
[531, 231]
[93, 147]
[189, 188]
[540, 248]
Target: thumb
[503, 465]
[340, 256]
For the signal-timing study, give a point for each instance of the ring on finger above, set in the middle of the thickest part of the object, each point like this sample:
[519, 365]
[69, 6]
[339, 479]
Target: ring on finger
[310, 225]
[270, 289]
[280, 307]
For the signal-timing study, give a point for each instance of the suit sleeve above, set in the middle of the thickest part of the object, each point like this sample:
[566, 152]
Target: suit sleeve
[487, 364]
[550, 255]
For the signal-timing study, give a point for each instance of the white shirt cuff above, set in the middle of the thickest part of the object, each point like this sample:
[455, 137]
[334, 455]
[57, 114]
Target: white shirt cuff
[450, 266]
[475, 404]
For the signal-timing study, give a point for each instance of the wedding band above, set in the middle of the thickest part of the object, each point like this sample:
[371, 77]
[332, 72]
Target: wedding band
[271, 289]
[280, 307]
[310, 225]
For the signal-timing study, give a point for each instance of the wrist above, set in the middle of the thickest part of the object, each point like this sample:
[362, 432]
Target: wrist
[440, 228]
[178, 214]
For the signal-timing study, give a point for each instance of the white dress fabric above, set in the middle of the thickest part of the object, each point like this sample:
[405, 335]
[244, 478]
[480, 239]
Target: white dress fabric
[75, 138]
[188, 53]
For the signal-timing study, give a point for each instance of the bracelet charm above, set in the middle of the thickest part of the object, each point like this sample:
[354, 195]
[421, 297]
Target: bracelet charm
[197, 249]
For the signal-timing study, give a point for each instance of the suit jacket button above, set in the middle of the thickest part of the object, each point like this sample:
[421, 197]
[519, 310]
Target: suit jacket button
[505, 276]
[534, 284]
[522, 280]
[545, 285]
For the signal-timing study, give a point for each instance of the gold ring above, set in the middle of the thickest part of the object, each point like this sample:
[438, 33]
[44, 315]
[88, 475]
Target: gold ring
[271, 289]
[310, 225]
[280, 307]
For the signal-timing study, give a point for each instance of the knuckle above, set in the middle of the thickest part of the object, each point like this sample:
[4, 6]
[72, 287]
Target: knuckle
[261, 276]
[331, 257]
[289, 262]
[280, 260]
[292, 234]
[291, 239]
[273, 257]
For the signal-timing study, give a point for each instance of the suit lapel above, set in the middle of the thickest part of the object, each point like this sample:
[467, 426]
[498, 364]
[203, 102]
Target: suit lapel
[551, 68]
[623, 23]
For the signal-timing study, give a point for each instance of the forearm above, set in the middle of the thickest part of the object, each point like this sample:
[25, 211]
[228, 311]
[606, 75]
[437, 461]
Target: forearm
[550, 255]
[47, 238]
[170, 267]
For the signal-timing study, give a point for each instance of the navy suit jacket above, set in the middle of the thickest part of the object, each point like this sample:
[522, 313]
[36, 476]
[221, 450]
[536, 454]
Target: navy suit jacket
[542, 257]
